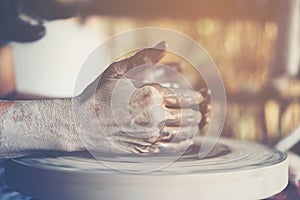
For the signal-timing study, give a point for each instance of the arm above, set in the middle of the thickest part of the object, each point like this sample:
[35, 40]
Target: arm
[28, 126]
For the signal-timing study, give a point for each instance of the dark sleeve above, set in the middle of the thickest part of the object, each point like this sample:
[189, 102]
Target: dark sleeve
[22, 20]
[17, 24]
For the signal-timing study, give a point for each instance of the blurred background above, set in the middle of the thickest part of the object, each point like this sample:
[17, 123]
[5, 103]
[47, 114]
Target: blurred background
[254, 43]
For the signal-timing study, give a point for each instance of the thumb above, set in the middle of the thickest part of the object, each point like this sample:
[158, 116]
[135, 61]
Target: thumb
[106, 82]
[151, 56]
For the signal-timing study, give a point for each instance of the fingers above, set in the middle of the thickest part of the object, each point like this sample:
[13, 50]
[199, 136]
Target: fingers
[168, 134]
[205, 108]
[182, 117]
[164, 106]
[175, 147]
[179, 98]
[135, 148]
[169, 139]
[183, 98]
[137, 144]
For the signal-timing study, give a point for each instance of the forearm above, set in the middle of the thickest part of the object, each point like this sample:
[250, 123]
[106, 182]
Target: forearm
[28, 126]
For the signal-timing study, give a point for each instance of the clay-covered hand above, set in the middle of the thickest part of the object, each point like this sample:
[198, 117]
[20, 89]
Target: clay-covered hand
[144, 117]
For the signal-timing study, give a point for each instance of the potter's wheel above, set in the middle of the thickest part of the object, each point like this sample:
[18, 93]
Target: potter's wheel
[234, 170]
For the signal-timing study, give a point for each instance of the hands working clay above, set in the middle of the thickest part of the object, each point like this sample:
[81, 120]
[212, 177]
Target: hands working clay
[27, 126]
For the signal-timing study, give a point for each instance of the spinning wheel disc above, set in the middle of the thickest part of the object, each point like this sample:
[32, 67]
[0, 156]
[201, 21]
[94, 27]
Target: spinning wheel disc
[233, 170]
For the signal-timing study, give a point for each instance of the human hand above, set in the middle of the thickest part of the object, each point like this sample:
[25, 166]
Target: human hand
[144, 117]
[159, 117]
